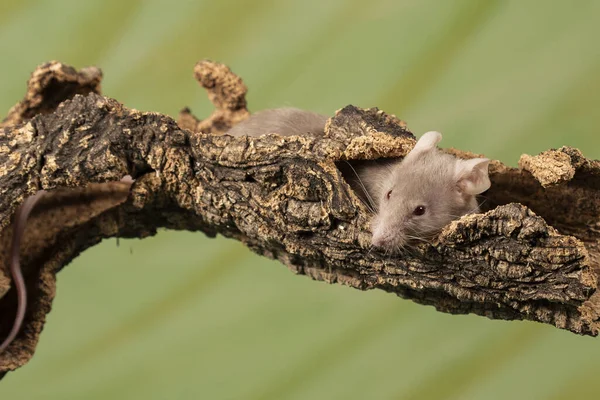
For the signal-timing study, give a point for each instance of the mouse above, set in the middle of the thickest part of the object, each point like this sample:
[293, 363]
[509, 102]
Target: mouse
[19, 224]
[412, 198]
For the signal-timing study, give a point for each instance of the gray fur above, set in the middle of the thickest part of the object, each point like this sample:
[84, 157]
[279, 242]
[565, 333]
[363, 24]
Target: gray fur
[286, 121]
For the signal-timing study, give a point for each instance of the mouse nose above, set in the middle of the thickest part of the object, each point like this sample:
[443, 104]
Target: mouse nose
[381, 239]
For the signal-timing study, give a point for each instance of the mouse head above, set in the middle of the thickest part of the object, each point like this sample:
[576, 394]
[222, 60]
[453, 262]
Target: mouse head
[425, 192]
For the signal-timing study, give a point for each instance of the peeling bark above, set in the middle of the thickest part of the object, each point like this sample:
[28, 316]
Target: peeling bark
[533, 255]
[51, 84]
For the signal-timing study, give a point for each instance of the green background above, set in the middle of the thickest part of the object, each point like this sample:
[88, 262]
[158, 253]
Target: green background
[214, 321]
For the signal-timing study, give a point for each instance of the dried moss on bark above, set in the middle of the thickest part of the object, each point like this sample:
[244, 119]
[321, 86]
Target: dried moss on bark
[527, 257]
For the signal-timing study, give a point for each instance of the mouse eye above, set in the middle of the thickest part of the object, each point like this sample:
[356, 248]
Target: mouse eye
[420, 210]
[388, 194]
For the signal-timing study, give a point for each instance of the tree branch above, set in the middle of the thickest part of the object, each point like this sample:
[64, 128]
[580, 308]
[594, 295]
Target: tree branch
[285, 198]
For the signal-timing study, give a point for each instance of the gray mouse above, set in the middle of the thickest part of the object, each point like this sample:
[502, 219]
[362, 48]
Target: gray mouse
[412, 198]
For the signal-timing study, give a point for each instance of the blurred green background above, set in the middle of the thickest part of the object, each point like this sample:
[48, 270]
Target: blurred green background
[214, 321]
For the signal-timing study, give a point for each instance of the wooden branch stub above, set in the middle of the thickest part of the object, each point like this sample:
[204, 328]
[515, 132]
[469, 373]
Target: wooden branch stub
[51, 84]
[287, 198]
[226, 91]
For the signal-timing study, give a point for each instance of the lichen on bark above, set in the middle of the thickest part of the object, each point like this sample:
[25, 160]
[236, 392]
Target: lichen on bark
[525, 257]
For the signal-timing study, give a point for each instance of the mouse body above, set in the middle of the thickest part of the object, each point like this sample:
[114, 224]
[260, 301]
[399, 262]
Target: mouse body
[412, 198]
[286, 121]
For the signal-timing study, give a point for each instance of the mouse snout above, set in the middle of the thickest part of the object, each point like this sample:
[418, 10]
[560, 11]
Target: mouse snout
[384, 238]
[380, 241]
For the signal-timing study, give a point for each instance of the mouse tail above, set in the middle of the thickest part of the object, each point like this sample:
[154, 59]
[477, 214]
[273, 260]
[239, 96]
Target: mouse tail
[22, 215]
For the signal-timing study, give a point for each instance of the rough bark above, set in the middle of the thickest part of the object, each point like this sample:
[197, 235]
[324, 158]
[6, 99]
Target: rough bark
[533, 255]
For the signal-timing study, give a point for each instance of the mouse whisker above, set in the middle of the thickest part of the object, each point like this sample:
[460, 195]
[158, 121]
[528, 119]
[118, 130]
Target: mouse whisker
[370, 250]
[457, 216]
[430, 226]
[371, 203]
[482, 203]
[407, 250]
[421, 239]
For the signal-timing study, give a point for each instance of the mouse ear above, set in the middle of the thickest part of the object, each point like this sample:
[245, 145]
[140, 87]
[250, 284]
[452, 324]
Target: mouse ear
[472, 175]
[427, 142]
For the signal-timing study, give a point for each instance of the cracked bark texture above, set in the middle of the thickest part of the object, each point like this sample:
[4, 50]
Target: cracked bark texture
[532, 255]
